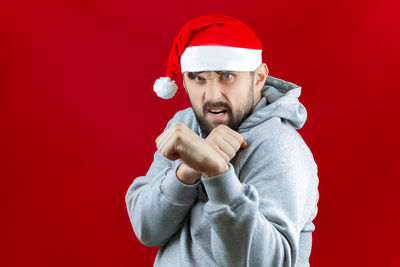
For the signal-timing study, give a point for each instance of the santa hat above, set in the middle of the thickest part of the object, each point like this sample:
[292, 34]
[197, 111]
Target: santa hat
[210, 43]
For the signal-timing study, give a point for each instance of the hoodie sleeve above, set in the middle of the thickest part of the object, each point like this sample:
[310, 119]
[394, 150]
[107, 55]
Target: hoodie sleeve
[257, 222]
[158, 202]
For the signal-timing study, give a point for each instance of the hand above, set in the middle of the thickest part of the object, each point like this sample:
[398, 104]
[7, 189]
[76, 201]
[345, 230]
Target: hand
[225, 141]
[178, 141]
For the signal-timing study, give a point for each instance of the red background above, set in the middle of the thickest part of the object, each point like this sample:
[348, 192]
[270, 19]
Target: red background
[79, 119]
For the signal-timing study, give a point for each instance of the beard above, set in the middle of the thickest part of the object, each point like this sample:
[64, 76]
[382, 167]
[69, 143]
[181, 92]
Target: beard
[235, 117]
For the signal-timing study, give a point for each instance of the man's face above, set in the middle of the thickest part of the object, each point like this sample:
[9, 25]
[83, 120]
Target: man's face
[220, 97]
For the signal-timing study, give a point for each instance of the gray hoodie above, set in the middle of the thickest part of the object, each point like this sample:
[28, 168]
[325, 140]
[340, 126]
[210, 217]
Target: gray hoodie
[258, 213]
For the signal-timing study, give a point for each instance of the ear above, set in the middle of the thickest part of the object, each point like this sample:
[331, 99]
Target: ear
[261, 75]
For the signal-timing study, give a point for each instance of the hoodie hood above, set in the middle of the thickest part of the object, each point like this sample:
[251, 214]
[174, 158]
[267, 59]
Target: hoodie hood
[279, 99]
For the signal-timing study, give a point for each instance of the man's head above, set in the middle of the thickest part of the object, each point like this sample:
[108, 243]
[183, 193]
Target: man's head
[224, 97]
[210, 43]
[220, 59]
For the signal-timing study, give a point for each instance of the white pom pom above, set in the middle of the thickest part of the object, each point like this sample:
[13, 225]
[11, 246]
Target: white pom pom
[165, 87]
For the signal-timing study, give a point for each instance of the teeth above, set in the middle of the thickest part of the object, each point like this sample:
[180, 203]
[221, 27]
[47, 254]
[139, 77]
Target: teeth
[215, 110]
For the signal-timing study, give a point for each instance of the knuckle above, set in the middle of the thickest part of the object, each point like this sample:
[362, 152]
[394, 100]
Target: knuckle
[178, 138]
[177, 125]
[212, 137]
[220, 127]
[180, 127]
[225, 127]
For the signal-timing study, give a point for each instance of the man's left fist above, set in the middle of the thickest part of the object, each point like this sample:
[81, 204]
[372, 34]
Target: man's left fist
[225, 141]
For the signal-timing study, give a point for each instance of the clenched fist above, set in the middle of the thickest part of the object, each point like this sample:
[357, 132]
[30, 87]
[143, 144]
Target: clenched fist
[178, 141]
[225, 141]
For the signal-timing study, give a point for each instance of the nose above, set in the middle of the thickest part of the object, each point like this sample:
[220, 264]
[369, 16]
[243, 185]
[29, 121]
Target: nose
[213, 91]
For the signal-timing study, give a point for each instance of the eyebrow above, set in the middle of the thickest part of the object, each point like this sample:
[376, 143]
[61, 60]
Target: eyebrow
[191, 75]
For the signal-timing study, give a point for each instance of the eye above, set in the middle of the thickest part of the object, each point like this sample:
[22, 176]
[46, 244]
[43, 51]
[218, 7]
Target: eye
[228, 76]
[198, 79]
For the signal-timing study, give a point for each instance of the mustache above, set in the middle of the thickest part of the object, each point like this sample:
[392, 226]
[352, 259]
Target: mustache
[219, 104]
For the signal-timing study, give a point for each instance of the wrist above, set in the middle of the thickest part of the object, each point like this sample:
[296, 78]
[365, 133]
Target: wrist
[187, 175]
[217, 170]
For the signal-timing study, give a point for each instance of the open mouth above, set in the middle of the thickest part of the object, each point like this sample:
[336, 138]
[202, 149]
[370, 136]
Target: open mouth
[217, 111]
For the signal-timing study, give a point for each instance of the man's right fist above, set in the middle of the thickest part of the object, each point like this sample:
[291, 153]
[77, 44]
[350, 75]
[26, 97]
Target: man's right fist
[178, 141]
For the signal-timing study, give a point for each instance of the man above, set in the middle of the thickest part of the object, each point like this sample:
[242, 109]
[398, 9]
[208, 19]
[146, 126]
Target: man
[232, 182]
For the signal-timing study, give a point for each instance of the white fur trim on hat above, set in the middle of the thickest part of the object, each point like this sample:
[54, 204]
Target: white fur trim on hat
[213, 58]
[165, 87]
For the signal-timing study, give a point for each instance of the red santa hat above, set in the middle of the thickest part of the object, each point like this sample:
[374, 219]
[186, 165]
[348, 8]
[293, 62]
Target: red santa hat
[210, 43]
